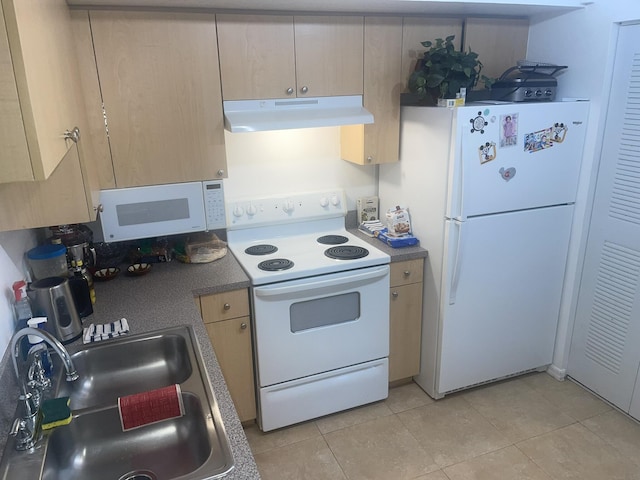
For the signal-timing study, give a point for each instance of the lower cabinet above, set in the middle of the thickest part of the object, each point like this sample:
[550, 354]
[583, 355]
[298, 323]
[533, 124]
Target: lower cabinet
[405, 317]
[226, 318]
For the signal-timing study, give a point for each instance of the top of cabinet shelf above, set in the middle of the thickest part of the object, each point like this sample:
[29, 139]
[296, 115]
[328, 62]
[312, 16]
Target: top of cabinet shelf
[523, 8]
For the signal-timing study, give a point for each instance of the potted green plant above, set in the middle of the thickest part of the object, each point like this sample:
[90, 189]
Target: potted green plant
[443, 70]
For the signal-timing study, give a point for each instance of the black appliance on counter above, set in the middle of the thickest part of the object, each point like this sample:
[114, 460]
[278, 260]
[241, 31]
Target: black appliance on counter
[527, 82]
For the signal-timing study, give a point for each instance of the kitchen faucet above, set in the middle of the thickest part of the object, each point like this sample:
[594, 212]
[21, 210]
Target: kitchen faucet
[26, 427]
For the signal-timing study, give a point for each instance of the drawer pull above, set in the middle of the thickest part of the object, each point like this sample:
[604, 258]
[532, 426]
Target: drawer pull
[407, 273]
[394, 294]
[243, 326]
[227, 306]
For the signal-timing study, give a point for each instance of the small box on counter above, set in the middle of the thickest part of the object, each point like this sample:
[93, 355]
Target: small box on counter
[406, 240]
[367, 208]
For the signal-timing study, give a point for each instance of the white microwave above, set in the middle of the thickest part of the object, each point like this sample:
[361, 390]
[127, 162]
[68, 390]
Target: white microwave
[145, 212]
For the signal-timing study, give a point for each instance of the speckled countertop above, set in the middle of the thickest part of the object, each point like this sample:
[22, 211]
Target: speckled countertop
[165, 297]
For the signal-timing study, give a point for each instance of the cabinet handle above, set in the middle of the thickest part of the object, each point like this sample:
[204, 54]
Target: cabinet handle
[369, 159]
[73, 135]
[227, 306]
[394, 294]
[407, 273]
[289, 91]
[243, 326]
[220, 173]
[304, 89]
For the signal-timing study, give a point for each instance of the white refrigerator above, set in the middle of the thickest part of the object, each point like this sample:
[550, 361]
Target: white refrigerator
[490, 190]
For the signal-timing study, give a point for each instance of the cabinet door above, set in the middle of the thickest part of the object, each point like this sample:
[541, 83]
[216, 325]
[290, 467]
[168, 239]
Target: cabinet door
[499, 42]
[257, 58]
[160, 84]
[42, 58]
[60, 199]
[231, 340]
[405, 315]
[378, 142]
[329, 55]
[420, 29]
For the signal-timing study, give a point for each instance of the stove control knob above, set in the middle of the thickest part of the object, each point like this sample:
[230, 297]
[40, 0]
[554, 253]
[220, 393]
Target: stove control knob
[548, 92]
[528, 93]
[324, 201]
[288, 206]
[335, 200]
[238, 211]
[538, 93]
[251, 210]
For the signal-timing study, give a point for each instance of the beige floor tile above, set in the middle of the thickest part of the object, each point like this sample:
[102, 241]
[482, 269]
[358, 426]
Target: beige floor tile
[354, 416]
[508, 463]
[517, 410]
[568, 396]
[437, 475]
[379, 449]
[617, 430]
[261, 442]
[406, 397]
[306, 460]
[452, 431]
[575, 452]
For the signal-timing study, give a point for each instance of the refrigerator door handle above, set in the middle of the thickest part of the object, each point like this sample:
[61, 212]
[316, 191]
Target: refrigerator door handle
[455, 274]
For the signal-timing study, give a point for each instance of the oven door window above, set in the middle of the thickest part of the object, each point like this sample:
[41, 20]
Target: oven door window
[325, 311]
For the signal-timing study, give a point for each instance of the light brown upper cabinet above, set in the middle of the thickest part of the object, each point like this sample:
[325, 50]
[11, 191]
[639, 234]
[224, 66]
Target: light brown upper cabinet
[273, 56]
[378, 142]
[38, 102]
[160, 83]
[499, 42]
[421, 29]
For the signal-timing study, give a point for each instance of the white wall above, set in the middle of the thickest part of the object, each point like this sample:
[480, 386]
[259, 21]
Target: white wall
[288, 161]
[585, 41]
[12, 268]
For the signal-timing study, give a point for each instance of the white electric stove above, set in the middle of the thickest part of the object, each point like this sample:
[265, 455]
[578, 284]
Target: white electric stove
[320, 305]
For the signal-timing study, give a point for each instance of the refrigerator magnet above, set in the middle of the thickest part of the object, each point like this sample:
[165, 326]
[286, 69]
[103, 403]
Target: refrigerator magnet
[536, 141]
[487, 152]
[478, 123]
[507, 173]
[559, 131]
[509, 130]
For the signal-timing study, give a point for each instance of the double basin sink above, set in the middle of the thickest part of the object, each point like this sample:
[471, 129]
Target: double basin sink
[191, 447]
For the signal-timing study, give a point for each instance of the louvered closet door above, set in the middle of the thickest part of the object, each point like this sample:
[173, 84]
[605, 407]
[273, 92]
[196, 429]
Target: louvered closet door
[605, 348]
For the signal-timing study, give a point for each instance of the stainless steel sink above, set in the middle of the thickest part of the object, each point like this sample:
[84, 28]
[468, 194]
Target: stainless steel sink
[93, 446]
[132, 365]
[192, 447]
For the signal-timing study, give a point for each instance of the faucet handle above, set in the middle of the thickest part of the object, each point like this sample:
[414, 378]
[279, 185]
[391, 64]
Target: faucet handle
[26, 433]
[36, 376]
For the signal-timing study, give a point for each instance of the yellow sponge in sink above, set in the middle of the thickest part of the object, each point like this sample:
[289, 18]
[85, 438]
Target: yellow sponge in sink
[55, 412]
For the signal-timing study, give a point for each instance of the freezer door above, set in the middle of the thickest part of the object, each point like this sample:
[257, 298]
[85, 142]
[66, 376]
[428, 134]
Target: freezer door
[516, 156]
[501, 295]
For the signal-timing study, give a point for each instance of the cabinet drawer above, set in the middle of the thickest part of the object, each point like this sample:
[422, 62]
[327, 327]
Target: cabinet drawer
[225, 305]
[409, 271]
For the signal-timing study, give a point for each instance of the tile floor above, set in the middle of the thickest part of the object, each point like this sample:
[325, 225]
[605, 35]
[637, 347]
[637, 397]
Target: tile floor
[527, 428]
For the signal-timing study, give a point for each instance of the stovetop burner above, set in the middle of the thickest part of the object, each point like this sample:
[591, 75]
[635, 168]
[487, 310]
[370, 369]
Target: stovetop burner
[262, 249]
[275, 265]
[332, 239]
[346, 252]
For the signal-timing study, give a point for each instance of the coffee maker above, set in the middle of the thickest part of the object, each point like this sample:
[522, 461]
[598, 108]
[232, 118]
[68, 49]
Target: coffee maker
[80, 257]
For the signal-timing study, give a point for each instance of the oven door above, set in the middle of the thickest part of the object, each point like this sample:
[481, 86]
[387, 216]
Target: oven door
[313, 325]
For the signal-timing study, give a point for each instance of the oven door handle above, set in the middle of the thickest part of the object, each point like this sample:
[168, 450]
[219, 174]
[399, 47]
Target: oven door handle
[315, 284]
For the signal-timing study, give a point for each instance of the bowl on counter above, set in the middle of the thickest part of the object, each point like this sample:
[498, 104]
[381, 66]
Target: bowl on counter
[138, 269]
[106, 274]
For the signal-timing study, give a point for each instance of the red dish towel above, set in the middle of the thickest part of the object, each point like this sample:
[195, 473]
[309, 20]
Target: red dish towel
[150, 407]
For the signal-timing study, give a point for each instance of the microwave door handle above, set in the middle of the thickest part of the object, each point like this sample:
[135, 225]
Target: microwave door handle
[318, 284]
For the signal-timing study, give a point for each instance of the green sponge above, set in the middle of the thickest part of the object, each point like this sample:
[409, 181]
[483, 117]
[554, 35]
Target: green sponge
[55, 412]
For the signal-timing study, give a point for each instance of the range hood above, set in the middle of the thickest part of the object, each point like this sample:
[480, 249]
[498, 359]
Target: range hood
[286, 113]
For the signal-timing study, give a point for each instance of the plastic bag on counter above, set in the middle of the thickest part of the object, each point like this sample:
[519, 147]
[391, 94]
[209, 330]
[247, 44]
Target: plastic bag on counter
[398, 222]
[203, 247]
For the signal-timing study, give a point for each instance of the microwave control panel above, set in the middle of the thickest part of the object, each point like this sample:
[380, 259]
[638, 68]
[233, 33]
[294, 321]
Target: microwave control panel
[214, 204]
